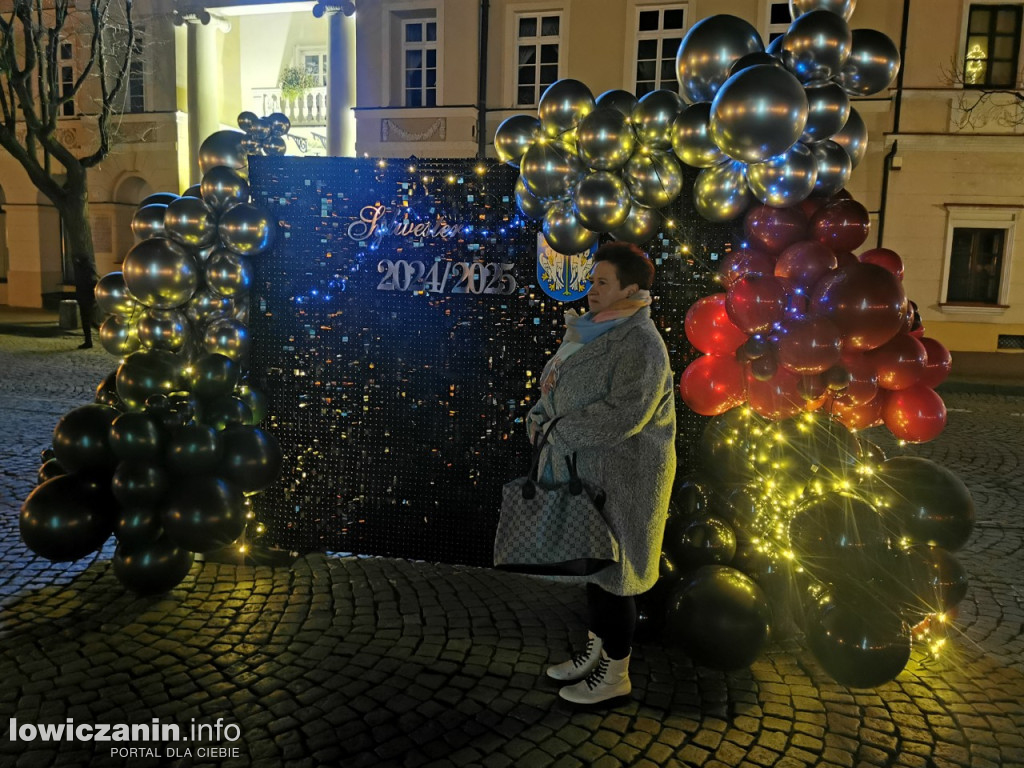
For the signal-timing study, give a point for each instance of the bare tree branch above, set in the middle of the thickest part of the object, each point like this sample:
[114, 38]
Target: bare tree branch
[974, 106]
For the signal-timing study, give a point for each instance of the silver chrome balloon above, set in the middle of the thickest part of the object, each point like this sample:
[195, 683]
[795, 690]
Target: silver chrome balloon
[834, 167]
[708, 52]
[223, 148]
[162, 329]
[605, 139]
[160, 273]
[759, 113]
[227, 273]
[623, 101]
[601, 201]
[753, 59]
[158, 198]
[148, 221]
[113, 297]
[279, 123]
[190, 222]
[654, 178]
[227, 337]
[260, 129]
[639, 226]
[819, 42]
[853, 137]
[118, 336]
[563, 230]
[246, 120]
[720, 193]
[207, 306]
[192, 191]
[246, 229]
[873, 63]
[842, 8]
[690, 138]
[549, 170]
[828, 108]
[653, 118]
[563, 104]
[531, 206]
[784, 180]
[223, 187]
[275, 145]
[514, 136]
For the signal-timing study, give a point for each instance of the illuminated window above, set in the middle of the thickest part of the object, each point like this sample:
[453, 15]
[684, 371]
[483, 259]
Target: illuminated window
[419, 62]
[538, 50]
[993, 45]
[659, 31]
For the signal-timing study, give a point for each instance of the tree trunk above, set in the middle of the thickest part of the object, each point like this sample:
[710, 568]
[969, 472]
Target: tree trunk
[74, 212]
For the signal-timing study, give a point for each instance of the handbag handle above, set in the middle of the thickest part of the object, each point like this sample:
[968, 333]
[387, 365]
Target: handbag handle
[533, 476]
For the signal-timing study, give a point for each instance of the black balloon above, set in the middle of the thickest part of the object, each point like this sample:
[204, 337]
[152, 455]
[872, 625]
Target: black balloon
[720, 617]
[705, 541]
[214, 375]
[925, 580]
[50, 469]
[859, 647]
[929, 503]
[195, 449]
[106, 392]
[138, 527]
[838, 536]
[146, 373]
[223, 412]
[256, 401]
[809, 449]
[81, 438]
[137, 435]
[691, 499]
[138, 483]
[150, 569]
[67, 517]
[203, 513]
[252, 458]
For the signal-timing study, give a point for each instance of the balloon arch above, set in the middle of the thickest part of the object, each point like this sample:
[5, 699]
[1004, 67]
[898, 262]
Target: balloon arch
[792, 513]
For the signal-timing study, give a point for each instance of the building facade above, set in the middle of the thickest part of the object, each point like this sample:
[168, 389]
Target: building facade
[943, 176]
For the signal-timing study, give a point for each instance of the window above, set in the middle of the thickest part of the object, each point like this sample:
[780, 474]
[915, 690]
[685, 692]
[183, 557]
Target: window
[659, 32]
[993, 44]
[136, 96]
[66, 66]
[314, 62]
[538, 50]
[779, 19]
[419, 62]
[975, 265]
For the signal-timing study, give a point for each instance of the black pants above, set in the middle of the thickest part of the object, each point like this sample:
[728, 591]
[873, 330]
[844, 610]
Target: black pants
[613, 619]
[86, 311]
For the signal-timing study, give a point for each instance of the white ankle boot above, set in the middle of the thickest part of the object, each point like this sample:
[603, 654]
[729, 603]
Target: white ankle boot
[609, 680]
[580, 665]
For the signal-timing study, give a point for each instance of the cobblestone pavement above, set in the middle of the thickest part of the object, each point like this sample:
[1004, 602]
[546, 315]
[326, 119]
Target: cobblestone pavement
[377, 662]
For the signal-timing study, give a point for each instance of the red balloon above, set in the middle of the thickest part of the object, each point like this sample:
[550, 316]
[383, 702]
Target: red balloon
[805, 263]
[809, 344]
[899, 362]
[916, 415]
[773, 229]
[884, 258]
[845, 259]
[842, 225]
[864, 300]
[859, 416]
[709, 328]
[863, 384]
[756, 302]
[939, 364]
[745, 261]
[812, 205]
[776, 398]
[711, 385]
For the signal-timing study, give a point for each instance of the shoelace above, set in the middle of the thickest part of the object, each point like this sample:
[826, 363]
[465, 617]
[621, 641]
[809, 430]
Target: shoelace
[580, 659]
[596, 677]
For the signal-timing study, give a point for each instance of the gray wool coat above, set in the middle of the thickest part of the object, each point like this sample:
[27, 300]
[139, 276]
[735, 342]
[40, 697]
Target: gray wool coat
[615, 397]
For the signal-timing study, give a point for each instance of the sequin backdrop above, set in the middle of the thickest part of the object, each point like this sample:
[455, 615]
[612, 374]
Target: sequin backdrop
[398, 390]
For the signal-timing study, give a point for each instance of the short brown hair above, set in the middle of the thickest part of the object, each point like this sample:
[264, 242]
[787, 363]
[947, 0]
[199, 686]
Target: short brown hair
[631, 264]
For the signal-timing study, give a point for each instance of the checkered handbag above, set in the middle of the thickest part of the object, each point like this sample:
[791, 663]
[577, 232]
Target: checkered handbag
[553, 530]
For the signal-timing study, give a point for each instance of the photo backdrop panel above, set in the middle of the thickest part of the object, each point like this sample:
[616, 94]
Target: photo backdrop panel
[398, 334]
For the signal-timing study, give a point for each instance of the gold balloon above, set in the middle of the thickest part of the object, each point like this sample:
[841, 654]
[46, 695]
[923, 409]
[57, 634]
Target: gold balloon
[654, 178]
[720, 193]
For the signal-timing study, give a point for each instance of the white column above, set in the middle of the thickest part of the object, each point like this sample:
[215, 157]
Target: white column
[203, 86]
[341, 75]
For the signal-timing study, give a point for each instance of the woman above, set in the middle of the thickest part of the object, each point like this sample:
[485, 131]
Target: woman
[611, 386]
